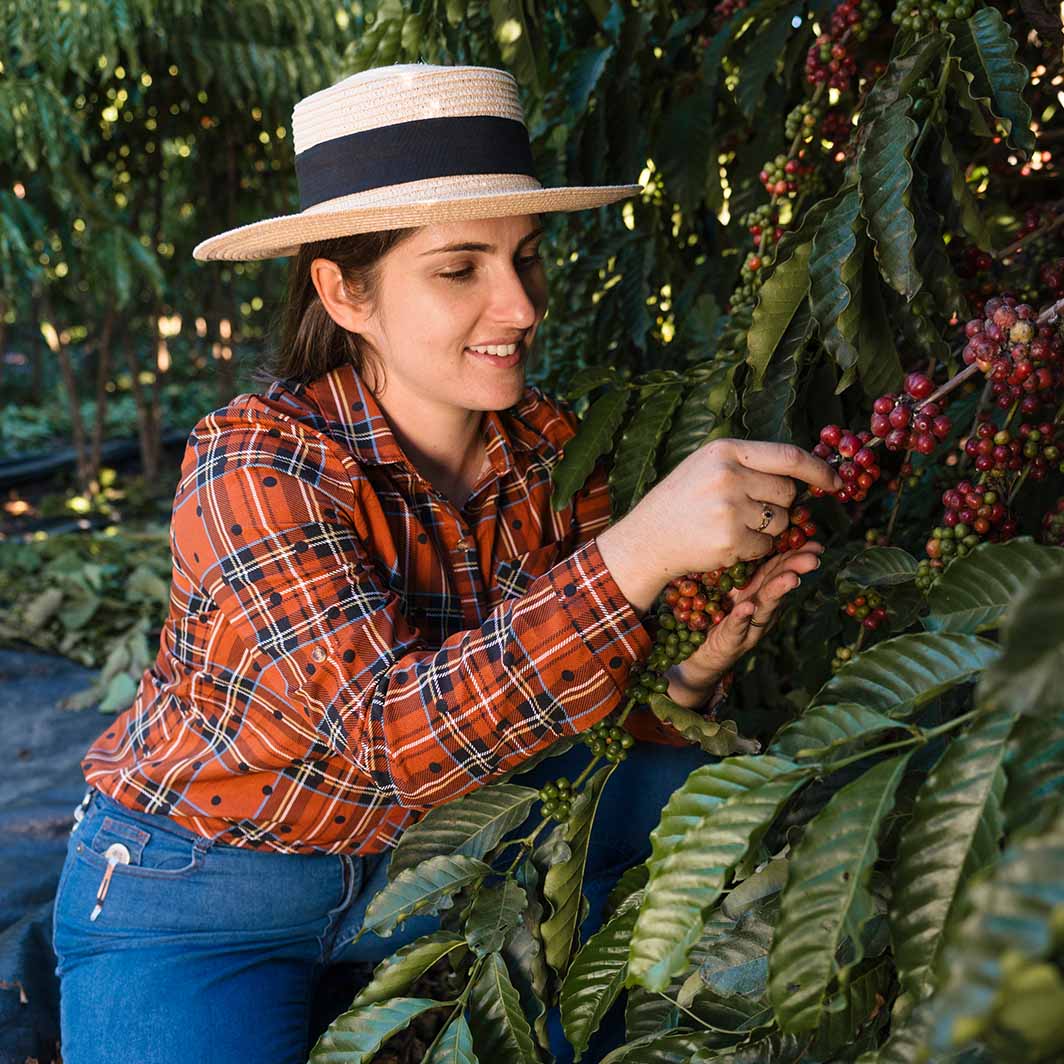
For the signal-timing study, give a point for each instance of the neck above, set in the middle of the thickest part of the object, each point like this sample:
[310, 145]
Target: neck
[443, 444]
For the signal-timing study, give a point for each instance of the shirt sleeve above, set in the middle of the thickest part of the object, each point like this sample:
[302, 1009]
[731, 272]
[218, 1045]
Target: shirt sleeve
[267, 522]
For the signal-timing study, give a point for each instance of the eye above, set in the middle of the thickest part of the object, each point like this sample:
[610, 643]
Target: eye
[459, 275]
[526, 262]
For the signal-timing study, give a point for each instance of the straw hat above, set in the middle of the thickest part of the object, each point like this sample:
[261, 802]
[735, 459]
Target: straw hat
[403, 146]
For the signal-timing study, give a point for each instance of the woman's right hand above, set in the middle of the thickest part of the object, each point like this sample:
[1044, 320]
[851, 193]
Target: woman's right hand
[706, 513]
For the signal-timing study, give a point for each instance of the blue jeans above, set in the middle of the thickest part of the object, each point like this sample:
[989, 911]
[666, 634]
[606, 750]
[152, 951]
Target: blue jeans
[211, 953]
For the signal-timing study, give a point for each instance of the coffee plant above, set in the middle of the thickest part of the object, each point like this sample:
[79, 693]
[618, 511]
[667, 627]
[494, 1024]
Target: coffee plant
[874, 870]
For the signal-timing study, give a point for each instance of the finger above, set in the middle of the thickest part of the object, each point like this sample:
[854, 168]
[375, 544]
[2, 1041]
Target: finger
[787, 460]
[799, 561]
[776, 589]
[736, 631]
[755, 511]
[778, 490]
[751, 545]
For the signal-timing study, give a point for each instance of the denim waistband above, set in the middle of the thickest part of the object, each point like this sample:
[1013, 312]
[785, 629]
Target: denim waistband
[96, 799]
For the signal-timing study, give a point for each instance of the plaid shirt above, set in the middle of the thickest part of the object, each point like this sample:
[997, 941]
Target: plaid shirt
[344, 648]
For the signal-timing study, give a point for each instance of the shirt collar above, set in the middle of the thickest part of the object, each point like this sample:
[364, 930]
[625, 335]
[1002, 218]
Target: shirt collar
[355, 417]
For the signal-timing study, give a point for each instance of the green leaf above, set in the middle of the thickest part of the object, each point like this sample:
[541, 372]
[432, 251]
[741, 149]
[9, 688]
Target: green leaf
[356, 1035]
[975, 591]
[524, 955]
[496, 912]
[563, 883]
[397, 973]
[471, 826]
[763, 52]
[835, 264]
[594, 437]
[901, 674]
[942, 846]
[674, 1047]
[500, 1030]
[848, 1012]
[1026, 678]
[884, 175]
[734, 956]
[766, 410]
[971, 217]
[647, 1013]
[879, 567]
[584, 75]
[713, 736]
[823, 729]
[900, 77]
[588, 379]
[1012, 917]
[688, 878]
[706, 788]
[121, 692]
[596, 977]
[702, 413]
[427, 888]
[455, 1045]
[984, 49]
[1035, 769]
[781, 295]
[878, 363]
[827, 897]
[633, 469]
[907, 1043]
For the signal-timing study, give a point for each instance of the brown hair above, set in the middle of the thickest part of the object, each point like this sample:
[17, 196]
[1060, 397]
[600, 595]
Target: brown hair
[310, 343]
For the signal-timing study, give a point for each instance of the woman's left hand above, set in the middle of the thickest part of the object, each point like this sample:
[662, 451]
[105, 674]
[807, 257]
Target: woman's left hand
[757, 602]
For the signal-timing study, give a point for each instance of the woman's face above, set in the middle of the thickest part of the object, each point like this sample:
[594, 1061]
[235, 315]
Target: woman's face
[452, 287]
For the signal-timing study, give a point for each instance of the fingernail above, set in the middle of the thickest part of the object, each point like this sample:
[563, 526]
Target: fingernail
[818, 561]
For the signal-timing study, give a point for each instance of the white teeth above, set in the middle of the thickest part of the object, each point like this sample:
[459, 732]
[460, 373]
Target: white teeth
[502, 350]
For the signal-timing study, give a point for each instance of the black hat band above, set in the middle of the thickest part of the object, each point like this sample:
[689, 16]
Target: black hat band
[412, 151]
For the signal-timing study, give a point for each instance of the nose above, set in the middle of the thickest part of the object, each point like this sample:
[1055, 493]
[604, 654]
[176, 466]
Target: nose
[518, 299]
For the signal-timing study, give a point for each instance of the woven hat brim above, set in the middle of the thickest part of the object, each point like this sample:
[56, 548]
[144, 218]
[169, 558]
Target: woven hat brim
[282, 236]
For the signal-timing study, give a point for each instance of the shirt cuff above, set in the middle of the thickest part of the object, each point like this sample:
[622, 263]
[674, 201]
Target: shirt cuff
[599, 611]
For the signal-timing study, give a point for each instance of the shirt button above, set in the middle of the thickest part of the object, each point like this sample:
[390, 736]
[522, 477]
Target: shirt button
[317, 654]
[117, 852]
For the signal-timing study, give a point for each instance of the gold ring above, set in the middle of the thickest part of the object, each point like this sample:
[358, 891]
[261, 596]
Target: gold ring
[759, 624]
[767, 513]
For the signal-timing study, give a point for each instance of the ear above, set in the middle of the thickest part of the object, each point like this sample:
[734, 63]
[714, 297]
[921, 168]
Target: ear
[338, 303]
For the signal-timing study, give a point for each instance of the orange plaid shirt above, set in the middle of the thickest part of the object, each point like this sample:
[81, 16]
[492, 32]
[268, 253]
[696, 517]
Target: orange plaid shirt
[344, 648]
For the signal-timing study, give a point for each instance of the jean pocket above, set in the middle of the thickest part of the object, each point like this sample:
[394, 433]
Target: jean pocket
[138, 851]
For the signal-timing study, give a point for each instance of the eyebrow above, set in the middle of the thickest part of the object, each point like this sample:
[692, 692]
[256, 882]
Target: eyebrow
[489, 248]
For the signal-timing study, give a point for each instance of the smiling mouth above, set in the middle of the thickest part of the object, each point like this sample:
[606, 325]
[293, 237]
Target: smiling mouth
[498, 350]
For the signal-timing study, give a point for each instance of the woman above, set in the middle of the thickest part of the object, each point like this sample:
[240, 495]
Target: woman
[374, 608]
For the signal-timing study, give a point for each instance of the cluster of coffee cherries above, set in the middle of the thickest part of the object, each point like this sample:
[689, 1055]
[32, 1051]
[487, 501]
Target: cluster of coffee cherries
[920, 17]
[724, 11]
[689, 606]
[608, 740]
[789, 177]
[801, 529]
[1051, 274]
[837, 126]
[973, 513]
[902, 426]
[1020, 358]
[854, 461]
[1041, 448]
[841, 657]
[803, 119]
[829, 58]
[867, 609]
[557, 798]
[1053, 524]
[995, 452]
